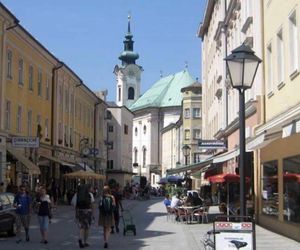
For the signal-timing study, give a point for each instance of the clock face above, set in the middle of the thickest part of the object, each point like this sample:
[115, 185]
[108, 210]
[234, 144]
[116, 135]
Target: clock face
[85, 151]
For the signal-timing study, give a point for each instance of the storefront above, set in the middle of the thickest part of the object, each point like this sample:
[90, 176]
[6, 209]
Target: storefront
[278, 186]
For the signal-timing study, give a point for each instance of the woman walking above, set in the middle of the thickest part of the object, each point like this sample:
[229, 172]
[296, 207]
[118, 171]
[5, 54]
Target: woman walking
[44, 213]
[106, 213]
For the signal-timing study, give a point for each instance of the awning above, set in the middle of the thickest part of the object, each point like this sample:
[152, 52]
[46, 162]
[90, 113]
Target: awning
[195, 166]
[52, 158]
[32, 168]
[86, 167]
[262, 140]
[226, 156]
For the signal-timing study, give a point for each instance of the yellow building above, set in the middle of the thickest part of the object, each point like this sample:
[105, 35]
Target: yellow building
[51, 123]
[25, 89]
[278, 156]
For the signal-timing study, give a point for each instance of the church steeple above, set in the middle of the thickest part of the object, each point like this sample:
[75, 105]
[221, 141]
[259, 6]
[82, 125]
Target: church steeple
[128, 56]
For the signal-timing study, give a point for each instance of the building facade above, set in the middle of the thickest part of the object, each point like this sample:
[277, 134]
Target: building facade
[278, 172]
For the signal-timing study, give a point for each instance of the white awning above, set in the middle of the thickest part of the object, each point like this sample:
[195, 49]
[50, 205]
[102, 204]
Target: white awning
[262, 140]
[226, 156]
[32, 168]
[86, 167]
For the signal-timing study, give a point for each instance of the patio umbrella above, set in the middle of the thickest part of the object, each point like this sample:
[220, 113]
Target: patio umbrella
[81, 174]
[163, 181]
[228, 178]
[174, 179]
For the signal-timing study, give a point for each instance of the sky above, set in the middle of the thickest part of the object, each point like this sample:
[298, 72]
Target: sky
[88, 35]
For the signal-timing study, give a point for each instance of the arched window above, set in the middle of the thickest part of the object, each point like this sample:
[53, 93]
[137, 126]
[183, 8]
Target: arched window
[119, 94]
[145, 129]
[144, 156]
[131, 93]
[135, 155]
[135, 131]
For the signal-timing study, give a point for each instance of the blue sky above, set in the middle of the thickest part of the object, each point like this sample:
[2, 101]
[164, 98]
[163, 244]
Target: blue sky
[88, 35]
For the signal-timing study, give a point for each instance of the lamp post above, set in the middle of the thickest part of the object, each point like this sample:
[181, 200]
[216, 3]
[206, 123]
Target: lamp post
[242, 65]
[186, 152]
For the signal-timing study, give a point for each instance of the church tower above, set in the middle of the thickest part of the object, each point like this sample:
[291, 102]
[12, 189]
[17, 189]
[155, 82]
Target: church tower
[128, 74]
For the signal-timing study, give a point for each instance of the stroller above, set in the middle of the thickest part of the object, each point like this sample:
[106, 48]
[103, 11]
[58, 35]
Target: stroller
[127, 222]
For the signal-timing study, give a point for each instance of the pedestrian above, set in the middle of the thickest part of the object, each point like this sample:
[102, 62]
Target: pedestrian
[106, 213]
[22, 203]
[2, 187]
[118, 199]
[83, 201]
[44, 213]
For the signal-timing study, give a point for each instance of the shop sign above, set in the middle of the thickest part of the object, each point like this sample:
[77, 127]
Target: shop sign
[25, 142]
[211, 144]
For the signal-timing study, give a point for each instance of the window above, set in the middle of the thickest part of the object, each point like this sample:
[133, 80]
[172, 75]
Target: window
[187, 134]
[29, 123]
[110, 128]
[135, 155]
[135, 131]
[71, 137]
[187, 113]
[280, 57]
[60, 133]
[46, 129]
[125, 129]
[110, 164]
[131, 93]
[9, 64]
[39, 83]
[197, 157]
[144, 156]
[20, 69]
[30, 78]
[145, 129]
[66, 100]
[293, 35]
[196, 113]
[111, 145]
[291, 189]
[66, 136]
[119, 93]
[197, 134]
[19, 119]
[7, 114]
[270, 188]
[47, 88]
[270, 68]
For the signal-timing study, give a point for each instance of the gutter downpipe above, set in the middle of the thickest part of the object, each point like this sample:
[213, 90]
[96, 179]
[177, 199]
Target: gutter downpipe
[95, 132]
[57, 67]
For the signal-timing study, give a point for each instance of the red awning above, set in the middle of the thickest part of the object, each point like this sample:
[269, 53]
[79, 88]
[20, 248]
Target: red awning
[289, 177]
[220, 178]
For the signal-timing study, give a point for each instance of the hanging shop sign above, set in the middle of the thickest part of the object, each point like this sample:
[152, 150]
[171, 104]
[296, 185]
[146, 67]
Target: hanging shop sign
[25, 142]
[211, 144]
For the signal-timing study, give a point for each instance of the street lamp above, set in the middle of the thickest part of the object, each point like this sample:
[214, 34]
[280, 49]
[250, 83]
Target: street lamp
[186, 152]
[242, 66]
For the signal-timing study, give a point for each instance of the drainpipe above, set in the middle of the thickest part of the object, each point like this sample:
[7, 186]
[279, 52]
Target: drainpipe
[95, 131]
[57, 67]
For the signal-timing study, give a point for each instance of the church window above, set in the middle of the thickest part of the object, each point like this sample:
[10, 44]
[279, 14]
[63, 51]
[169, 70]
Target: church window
[131, 93]
[119, 94]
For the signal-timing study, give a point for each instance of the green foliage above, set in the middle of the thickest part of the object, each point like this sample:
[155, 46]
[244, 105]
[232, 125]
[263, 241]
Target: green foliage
[172, 189]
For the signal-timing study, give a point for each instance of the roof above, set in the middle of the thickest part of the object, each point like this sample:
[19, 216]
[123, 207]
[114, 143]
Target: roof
[194, 86]
[166, 92]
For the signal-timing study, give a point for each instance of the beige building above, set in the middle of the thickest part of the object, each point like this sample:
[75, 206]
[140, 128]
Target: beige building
[278, 156]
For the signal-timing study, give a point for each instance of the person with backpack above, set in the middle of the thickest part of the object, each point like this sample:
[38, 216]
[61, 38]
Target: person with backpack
[83, 201]
[106, 213]
[118, 199]
[44, 213]
[22, 203]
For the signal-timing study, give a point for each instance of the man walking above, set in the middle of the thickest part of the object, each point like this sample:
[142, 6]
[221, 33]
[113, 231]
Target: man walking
[118, 199]
[22, 203]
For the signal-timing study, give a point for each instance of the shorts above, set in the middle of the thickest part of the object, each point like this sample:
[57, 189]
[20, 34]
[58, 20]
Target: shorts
[84, 218]
[43, 222]
[22, 219]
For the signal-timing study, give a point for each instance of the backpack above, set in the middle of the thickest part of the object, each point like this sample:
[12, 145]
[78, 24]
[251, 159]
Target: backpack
[83, 198]
[106, 205]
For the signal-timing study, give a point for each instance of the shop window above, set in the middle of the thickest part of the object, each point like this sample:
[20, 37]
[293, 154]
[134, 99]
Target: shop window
[291, 189]
[270, 188]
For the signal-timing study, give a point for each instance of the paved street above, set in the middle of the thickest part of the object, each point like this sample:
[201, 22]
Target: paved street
[153, 232]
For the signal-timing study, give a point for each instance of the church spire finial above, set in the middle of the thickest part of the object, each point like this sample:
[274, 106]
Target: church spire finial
[129, 17]
[186, 64]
